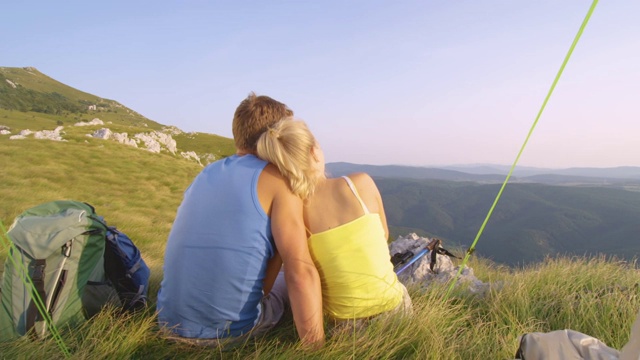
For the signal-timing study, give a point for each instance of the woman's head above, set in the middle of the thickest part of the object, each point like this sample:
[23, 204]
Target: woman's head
[289, 145]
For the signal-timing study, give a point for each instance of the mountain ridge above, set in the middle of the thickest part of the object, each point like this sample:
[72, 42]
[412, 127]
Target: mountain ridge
[622, 176]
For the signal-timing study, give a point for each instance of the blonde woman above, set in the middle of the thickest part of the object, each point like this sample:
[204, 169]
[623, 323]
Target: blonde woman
[346, 225]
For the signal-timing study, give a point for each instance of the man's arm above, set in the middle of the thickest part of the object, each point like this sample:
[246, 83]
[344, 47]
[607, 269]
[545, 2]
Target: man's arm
[301, 275]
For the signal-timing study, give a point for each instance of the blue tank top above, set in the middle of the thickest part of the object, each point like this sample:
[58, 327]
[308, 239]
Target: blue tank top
[216, 254]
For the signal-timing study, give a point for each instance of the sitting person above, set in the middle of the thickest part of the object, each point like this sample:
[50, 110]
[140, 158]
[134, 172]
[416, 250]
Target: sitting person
[237, 224]
[346, 224]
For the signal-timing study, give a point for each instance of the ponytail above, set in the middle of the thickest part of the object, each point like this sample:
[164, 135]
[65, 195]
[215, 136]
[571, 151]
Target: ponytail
[288, 145]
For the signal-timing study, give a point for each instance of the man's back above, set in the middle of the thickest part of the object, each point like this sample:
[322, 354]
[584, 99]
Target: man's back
[217, 253]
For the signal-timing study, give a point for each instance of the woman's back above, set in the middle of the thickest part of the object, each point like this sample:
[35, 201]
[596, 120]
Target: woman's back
[334, 203]
[349, 248]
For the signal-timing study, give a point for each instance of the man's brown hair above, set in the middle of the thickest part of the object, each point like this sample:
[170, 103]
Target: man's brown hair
[254, 116]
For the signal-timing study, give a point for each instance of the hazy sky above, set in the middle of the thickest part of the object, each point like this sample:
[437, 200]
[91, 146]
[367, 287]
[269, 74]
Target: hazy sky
[379, 82]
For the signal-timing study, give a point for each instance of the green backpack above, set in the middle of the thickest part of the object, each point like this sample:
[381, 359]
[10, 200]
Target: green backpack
[61, 243]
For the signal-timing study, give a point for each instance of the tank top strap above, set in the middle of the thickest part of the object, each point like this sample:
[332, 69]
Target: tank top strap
[355, 192]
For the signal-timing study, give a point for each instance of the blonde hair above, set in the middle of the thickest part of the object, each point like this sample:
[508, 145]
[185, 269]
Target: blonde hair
[252, 118]
[288, 145]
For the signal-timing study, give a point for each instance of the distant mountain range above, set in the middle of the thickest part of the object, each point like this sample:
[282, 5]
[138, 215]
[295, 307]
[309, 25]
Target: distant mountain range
[627, 177]
[594, 211]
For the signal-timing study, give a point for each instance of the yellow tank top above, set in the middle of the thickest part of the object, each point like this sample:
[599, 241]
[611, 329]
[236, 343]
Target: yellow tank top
[355, 270]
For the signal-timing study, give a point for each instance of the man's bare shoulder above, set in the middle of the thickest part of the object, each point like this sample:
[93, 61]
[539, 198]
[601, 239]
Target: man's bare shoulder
[272, 177]
[273, 186]
[272, 173]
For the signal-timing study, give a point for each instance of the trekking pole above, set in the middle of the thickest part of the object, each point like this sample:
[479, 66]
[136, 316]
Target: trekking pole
[526, 140]
[413, 260]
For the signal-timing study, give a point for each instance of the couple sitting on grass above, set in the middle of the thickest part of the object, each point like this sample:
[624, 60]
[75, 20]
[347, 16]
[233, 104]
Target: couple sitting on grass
[264, 229]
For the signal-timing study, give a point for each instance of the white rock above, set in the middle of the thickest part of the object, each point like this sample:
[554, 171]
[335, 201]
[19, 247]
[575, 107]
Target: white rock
[444, 269]
[95, 121]
[167, 141]
[17, 137]
[208, 158]
[154, 141]
[11, 83]
[25, 132]
[150, 143]
[173, 130]
[123, 138]
[50, 134]
[191, 155]
[103, 133]
[5, 132]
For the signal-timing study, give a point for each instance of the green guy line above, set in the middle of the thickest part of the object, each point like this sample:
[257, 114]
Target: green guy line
[38, 301]
[544, 104]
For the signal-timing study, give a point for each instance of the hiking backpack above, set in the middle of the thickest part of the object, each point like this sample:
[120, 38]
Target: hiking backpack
[76, 264]
[125, 270]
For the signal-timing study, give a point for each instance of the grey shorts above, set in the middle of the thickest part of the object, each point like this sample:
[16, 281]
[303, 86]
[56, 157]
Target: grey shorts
[273, 307]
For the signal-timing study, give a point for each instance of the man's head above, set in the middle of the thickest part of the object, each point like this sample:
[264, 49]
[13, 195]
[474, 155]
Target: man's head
[254, 116]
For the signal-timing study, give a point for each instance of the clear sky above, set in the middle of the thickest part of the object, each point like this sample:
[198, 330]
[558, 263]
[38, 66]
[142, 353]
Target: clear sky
[379, 82]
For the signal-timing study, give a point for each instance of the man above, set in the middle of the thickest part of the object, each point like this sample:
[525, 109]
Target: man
[237, 225]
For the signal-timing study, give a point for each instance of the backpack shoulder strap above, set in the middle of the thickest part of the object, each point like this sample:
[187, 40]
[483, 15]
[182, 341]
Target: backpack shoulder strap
[38, 284]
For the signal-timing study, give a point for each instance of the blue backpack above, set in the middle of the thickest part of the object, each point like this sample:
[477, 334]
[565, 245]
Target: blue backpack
[126, 270]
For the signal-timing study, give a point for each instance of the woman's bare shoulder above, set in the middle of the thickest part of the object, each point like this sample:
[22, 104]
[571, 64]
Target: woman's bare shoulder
[363, 181]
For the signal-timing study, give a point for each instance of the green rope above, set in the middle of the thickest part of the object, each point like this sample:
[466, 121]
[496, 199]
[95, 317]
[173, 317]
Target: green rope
[544, 104]
[12, 250]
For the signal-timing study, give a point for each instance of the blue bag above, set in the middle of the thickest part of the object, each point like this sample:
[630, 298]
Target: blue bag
[126, 270]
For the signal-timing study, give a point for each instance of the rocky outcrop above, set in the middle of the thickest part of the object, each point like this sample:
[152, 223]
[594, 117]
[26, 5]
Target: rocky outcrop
[444, 270]
[107, 134]
[155, 141]
[191, 155]
[123, 138]
[55, 135]
[208, 158]
[173, 130]
[95, 121]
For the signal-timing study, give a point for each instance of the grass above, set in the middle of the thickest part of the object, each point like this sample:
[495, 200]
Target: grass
[139, 192]
[594, 296]
[202, 143]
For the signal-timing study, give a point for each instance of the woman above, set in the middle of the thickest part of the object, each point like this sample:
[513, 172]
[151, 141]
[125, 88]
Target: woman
[346, 224]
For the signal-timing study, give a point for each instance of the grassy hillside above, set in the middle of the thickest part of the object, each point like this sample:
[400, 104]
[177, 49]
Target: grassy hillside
[134, 190]
[530, 222]
[28, 90]
[31, 100]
